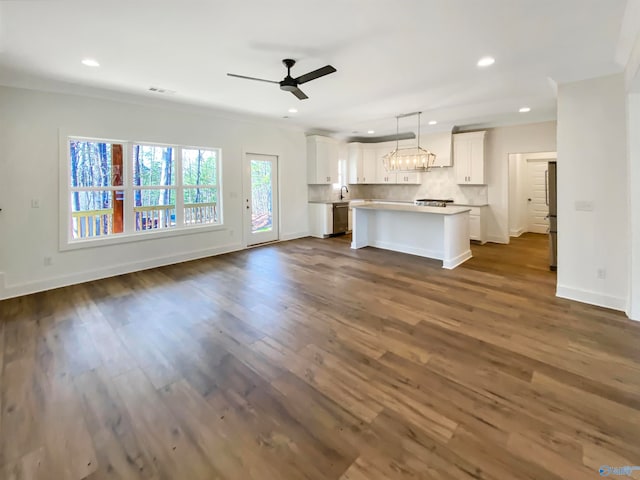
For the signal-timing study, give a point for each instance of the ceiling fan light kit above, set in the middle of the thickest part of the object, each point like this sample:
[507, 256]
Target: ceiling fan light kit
[290, 84]
[408, 159]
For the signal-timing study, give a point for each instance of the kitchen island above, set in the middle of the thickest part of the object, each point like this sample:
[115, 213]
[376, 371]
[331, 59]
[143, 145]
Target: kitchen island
[441, 233]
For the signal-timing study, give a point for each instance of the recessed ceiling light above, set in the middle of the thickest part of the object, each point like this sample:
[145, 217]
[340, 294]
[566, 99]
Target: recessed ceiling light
[486, 61]
[293, 110]
[524, 110]
[90, 62]
[432, 122]
[371, 132]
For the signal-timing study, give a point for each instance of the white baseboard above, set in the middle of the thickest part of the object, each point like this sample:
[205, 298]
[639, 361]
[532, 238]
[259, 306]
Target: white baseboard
[9, 291]
[517, 233]
[496, 239]
[422, 252]
[592, 298]
[459, 260]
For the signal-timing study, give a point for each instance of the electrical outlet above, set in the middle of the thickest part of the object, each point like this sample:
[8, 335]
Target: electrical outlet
[602, 273]
[48, 261]
[35, 203]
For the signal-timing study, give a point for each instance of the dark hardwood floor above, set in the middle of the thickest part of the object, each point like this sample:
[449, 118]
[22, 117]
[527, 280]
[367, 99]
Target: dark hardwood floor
[308, 360]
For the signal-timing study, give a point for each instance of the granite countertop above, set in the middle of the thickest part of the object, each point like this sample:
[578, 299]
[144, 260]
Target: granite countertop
[470, 204]
[409, 207]
[353, 201]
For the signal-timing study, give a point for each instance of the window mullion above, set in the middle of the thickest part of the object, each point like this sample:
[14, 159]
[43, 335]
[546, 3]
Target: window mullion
[129, 216]
[179, 188]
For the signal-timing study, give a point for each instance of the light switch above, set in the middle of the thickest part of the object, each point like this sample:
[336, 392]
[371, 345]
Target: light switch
[584, 206]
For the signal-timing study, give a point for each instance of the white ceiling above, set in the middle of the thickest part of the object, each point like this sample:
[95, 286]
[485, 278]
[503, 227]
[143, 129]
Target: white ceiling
[392, 56]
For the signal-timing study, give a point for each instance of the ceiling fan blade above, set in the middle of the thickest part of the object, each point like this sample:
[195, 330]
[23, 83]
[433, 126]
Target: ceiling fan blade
[321, 72]
[299, 93]
[251, 78]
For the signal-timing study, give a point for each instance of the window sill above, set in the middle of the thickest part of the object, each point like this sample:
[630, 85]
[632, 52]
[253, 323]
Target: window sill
[138, 237]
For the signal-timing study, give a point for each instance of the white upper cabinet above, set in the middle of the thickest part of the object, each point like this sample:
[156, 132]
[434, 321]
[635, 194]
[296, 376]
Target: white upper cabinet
[382, 176]
[355, 157]
[409, 177]
[363, 163]
[369, 165]
[322, 160]
[366, 166]
[468, 157]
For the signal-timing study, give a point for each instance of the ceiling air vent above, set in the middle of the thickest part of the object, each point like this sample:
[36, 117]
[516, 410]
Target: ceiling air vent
[161, 90]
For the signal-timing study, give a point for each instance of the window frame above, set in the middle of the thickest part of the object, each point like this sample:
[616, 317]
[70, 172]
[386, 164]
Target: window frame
[66, 242]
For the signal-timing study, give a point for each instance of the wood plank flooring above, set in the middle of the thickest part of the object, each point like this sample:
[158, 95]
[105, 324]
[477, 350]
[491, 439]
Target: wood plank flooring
[308, 360]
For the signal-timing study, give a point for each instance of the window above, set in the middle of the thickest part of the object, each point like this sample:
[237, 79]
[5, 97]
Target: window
[154, 187]
[123, 188]
[96, 188]
[200, 185]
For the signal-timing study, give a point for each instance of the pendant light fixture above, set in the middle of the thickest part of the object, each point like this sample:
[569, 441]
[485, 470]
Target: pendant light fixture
[408, 159]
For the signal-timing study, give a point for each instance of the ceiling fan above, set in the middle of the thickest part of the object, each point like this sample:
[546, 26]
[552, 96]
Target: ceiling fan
[290, 84]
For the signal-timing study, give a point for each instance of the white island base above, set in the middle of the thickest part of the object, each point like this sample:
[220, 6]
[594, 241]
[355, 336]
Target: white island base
[431, 232]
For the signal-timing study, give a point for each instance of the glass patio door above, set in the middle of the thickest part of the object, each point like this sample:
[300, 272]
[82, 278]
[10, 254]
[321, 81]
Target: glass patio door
[261, 201]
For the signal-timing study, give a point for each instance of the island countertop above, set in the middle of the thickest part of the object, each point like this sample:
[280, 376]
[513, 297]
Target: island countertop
[400, 207]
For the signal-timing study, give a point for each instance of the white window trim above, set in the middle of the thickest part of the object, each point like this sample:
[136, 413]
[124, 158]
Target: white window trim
[130, 235]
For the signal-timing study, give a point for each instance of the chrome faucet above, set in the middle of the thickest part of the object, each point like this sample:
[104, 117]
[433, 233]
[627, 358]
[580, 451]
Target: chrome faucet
[347, 191]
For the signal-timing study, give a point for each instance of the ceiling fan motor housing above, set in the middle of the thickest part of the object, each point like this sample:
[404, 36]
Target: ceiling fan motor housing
[288, 84]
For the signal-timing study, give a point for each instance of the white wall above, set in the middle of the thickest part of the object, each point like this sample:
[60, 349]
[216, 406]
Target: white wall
[29, 164]
[592, 167]
[632, 75]
[633, 108]
[502, 141]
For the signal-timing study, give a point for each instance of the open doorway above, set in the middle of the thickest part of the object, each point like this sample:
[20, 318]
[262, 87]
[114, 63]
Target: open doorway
[532, 194]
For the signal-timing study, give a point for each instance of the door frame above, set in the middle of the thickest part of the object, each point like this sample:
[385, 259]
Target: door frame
[517, 199]
[528, 162]
[246, 190]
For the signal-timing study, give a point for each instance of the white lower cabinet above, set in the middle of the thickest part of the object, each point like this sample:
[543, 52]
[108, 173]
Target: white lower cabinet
[477, 224]
[320, 219]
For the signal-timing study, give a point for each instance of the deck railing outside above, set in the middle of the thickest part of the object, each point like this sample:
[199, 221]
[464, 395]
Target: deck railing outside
[95, 223]
[200, 213]
[92, 223]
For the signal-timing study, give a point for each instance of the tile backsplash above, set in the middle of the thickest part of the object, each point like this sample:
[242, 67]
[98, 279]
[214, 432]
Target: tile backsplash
[438, 183]
[327, 193]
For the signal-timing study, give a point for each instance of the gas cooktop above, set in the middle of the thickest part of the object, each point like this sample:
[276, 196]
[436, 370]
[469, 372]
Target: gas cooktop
[432, 202]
